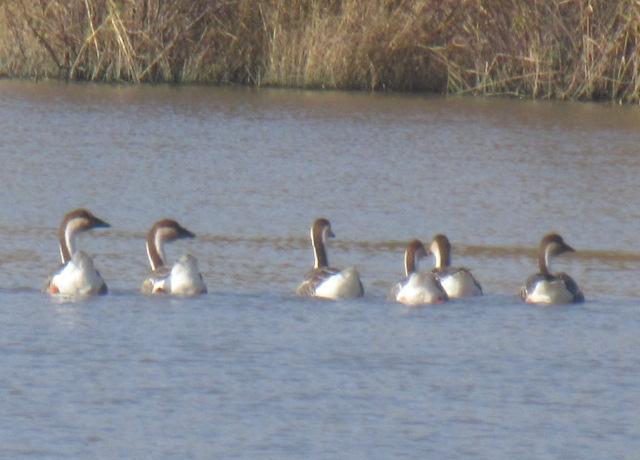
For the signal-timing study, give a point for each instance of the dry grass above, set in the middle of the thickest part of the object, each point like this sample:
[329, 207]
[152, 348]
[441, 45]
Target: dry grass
[568, 49]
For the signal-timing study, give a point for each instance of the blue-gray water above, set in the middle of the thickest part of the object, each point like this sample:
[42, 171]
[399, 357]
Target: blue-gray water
[249, 370]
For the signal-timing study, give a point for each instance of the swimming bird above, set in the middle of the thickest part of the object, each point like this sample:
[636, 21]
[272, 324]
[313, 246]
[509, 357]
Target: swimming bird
[184, 277]
[77, 276]
[417, 287]
[457, 281]
[323, 281]
[545, 287]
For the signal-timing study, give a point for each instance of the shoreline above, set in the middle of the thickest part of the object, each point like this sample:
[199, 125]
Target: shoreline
[570, 51]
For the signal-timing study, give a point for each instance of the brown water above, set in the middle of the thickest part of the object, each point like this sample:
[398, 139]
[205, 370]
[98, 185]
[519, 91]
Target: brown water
[248, 170]
[251, 371]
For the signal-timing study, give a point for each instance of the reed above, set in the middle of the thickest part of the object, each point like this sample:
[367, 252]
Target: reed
[571, 49]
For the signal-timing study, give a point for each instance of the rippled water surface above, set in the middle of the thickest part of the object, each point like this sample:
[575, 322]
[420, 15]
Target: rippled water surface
[249, 370]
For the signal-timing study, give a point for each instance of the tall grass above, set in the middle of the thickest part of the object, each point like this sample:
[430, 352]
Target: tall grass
[568, 49]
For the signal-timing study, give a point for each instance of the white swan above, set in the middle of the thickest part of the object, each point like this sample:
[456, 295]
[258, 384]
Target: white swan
[545, 287]
[323, 281]
[457, 281]
[77, 276]
[417, 288]
[184, 278]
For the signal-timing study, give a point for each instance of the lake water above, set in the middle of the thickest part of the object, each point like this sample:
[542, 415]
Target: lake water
[251, 371]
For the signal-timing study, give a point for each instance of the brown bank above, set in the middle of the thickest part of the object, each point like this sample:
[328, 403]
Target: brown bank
[545, 49]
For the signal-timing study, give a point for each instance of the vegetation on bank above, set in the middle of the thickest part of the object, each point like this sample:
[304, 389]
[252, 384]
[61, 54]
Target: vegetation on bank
[567, 49]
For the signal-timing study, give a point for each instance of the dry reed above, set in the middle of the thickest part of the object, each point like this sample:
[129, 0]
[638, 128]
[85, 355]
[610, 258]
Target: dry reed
[570, 49]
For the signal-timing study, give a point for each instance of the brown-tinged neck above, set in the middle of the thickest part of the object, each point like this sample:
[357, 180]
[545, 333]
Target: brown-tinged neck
[543, 260]
[66, 243]
[414, 251]
[410, 260]
[319, 250]
[441, 249]
[155, 250]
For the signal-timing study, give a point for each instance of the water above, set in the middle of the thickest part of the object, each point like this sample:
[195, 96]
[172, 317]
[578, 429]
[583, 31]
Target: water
[252, 371]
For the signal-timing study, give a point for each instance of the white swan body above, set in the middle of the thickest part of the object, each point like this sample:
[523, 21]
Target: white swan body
[458, 282]
[78, 278]
[185, 278]
[418, 289]
[549, 292]
[342, 285]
